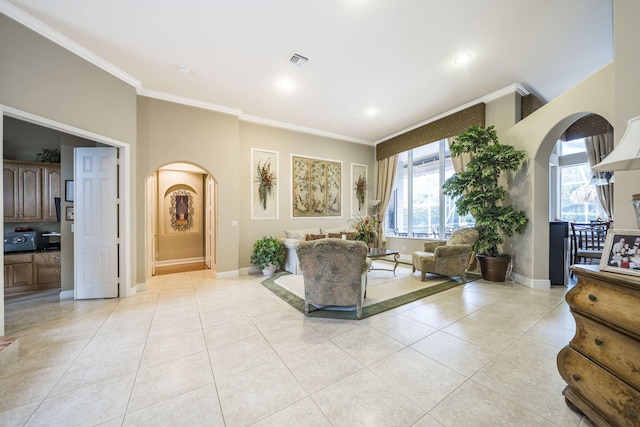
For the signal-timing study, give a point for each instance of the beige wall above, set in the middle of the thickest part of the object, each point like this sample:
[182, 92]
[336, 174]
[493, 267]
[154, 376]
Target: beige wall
[42, 78]
[287, 143]
[538, 134]
[169, 133]
[627, 101]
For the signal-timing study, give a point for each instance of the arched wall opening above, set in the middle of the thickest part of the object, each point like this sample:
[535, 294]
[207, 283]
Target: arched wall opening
[181, 219]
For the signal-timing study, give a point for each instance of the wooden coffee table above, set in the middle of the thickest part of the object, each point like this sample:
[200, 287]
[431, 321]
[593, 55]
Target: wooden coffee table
[375, 253]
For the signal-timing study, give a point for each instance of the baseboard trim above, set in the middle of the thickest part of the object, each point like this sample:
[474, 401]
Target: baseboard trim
[532, 283]
[233, 274]
[67, 294]
[179, 261]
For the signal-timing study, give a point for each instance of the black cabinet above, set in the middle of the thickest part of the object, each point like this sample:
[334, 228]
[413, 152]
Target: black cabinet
[558, 248]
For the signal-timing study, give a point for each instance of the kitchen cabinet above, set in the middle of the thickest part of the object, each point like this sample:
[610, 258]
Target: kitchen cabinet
[48, 270]
[18, 273]
[29, 191]
[51, 189]
[601, 365]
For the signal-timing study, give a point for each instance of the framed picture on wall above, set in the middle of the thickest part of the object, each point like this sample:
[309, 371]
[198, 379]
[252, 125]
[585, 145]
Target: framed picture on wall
[68, 191]
[264, 184]
[316, 186]
[68, 213]
[360, 185]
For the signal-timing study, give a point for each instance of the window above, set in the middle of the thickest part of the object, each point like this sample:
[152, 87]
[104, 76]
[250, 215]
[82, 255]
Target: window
[417, 207]
[577, 198]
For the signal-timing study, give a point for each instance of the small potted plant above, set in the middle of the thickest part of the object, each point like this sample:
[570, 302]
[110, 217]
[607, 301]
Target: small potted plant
[268, 254]
[479, 193]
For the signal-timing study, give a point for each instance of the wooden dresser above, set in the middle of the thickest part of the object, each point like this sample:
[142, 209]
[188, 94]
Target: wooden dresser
[601, 364]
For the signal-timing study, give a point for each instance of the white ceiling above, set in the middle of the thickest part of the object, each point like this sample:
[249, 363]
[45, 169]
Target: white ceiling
[393, 56]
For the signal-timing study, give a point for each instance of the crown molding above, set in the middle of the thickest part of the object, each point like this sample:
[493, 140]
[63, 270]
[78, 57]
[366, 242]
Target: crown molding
[516, 87]
[302, 129]
[44, 30]
[164, 96]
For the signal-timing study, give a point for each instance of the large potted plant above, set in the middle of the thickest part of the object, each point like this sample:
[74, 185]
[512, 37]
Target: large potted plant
[480, 194]
[268, 254]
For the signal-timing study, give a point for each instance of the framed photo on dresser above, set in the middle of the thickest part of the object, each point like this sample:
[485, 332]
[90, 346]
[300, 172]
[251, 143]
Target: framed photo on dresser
[621, 253]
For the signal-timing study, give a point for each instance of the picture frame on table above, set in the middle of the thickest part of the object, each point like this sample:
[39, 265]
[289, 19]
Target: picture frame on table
[621, 253]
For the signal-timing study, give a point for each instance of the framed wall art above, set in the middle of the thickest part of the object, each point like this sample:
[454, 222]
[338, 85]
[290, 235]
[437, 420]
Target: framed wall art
[69, 191]
[360, 185]
[181, 211]
[316, 187]
[68, 213]
[621, 252]
[264, 184]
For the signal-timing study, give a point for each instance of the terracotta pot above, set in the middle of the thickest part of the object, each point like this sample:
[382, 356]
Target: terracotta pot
[494, 268]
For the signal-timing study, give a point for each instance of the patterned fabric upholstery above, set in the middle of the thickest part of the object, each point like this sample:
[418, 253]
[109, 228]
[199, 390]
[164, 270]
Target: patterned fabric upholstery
[334, 272]
[447, 257]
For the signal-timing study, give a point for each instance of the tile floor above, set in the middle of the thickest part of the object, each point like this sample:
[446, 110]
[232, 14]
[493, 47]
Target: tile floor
[192, 350]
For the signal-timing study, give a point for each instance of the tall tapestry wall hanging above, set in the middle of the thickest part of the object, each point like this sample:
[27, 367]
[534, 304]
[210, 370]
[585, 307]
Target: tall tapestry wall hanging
[264, 184]
[317, 187]
[359, 191]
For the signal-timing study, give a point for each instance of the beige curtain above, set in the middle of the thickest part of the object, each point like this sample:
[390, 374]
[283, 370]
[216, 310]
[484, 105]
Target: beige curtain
[460, 162]
[599, 147]
[384, 186]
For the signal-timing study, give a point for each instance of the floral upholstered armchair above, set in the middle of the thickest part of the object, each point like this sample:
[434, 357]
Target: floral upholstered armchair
[334, 272]
[447, 257]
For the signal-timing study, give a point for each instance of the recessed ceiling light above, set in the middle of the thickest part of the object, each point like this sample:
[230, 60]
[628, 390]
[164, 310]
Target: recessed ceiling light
[370, 112]
[461, 59]
[184, 70]
[285, 85]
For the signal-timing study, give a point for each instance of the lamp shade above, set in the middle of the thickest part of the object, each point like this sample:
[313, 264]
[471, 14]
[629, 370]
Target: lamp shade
[626, 155]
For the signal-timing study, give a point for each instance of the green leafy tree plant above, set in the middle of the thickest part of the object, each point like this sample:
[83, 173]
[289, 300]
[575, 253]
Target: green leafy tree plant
[267, 250]
[478, 190]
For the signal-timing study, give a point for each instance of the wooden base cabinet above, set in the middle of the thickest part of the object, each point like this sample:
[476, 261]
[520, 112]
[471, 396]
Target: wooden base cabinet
[18, 274]
[601, 364]
[48, 270]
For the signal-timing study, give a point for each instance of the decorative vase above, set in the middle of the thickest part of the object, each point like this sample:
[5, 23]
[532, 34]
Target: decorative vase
[269, 269]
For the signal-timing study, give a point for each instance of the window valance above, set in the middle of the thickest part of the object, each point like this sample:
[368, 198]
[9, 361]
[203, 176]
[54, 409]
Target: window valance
[439, 129]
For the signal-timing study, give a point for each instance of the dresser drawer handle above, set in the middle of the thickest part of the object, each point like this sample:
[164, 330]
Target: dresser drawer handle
[592, 297]
[598, 341]
[576, 377]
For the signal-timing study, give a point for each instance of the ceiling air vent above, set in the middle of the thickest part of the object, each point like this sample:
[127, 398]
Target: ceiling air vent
[298, 60]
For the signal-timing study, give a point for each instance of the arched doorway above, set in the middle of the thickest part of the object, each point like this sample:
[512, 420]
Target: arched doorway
[577, 195]
[181, 222]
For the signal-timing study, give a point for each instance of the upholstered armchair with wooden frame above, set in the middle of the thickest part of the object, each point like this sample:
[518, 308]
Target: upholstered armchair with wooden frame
[334, 272]
[449, 257]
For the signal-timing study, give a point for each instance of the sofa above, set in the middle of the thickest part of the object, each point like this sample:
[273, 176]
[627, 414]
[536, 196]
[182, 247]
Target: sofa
[293, 238]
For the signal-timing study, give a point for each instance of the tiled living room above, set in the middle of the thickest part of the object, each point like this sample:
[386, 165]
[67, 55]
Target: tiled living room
[198, 92]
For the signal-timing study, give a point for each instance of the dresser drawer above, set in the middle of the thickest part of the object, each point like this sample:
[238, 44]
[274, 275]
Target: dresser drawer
[614, 304]
[617, 351]
[613, 399]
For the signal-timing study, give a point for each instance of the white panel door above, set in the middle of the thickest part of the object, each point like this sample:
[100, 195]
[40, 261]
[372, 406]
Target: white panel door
[96, 222]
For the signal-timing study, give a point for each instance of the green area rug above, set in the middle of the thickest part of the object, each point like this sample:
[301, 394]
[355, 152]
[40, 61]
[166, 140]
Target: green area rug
[385, 300]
